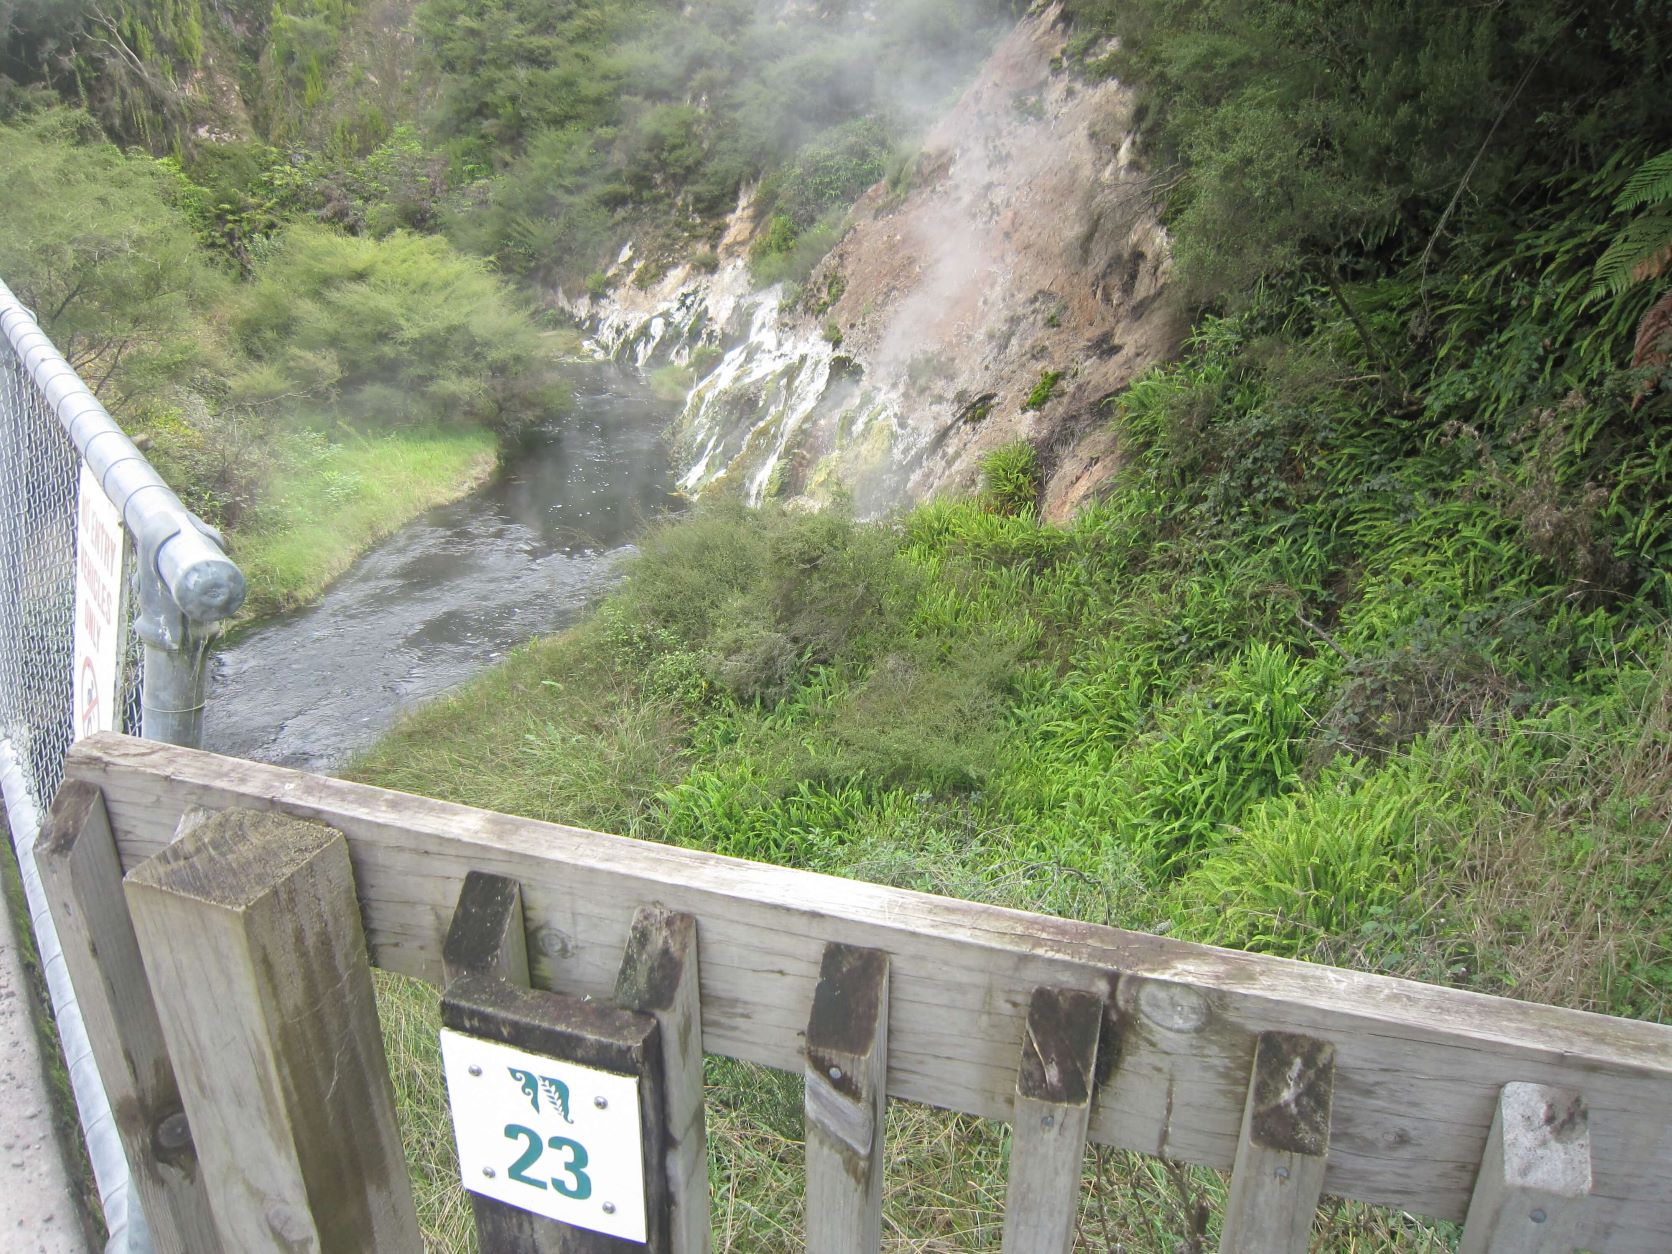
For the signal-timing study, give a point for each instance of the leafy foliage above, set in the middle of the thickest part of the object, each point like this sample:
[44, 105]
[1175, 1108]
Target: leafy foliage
[1643, 250]
[395, 331]
[92, 243]
[1321, 133]
[1043, 390]
[1010, 479]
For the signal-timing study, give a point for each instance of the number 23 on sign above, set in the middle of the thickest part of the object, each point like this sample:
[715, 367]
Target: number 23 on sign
[578, 1184]
[547, 1136]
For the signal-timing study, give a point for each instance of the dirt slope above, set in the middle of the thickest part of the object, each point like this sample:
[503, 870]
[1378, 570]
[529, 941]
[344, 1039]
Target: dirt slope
[1024, 244]
[1028, 244]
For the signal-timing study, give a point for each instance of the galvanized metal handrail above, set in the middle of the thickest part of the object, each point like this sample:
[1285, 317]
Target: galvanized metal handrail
[201, 580]
[187, 585]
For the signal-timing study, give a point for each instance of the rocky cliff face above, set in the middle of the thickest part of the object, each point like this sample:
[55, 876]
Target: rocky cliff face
[1025, 246]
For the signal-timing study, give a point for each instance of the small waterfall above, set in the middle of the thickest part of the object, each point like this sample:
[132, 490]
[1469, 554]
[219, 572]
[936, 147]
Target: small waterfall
[925, 339]
[780, 412]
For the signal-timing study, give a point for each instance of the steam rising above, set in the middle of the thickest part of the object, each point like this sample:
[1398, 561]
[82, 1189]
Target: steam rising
[1021, 240]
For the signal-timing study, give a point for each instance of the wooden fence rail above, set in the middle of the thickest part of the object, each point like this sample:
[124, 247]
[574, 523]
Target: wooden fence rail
[1546, 1129]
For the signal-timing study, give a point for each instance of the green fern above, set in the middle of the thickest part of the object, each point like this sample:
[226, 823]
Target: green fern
[1643, 250]
[1651, 185]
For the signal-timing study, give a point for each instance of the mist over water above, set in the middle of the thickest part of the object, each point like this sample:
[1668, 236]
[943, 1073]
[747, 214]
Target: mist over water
[450, 594]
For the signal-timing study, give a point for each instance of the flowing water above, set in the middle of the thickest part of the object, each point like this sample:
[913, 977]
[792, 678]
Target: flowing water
[448, 595]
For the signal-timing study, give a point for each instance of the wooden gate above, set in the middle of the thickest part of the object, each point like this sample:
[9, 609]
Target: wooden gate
[228, 996]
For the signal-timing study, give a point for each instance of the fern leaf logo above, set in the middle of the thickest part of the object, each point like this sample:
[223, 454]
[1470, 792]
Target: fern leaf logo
[529, 1086]
[557, 1093]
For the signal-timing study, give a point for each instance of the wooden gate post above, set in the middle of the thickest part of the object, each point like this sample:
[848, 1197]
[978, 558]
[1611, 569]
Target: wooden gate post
[652, 1031]
[1537, 1165]
[83, 878]
[250, 931]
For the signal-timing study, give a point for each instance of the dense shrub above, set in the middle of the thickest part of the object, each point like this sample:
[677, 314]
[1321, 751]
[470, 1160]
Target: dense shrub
[395, 331]
[1336, 135]
[92, 241]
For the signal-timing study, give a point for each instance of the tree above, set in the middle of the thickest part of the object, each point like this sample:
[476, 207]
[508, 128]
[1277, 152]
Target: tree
[91, 243]
[392, 331]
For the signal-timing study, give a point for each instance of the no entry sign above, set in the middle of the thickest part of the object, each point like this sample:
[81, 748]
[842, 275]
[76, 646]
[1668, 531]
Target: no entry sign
[100, 624]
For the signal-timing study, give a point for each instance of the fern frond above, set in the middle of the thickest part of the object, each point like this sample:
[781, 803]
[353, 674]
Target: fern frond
[1651, 184]
[1637, 253]
[1654, 335]
[1654, 265]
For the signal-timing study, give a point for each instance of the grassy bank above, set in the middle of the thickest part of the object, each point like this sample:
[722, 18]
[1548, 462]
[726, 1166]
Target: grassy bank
[1377, 733]
[328, 502]
[1090, 722]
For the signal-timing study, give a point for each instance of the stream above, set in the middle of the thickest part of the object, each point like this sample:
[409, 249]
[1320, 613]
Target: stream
[451, 593]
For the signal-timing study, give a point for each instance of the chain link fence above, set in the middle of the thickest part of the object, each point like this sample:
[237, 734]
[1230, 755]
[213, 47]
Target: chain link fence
[181, 586]
[39, 477]
[39, 472]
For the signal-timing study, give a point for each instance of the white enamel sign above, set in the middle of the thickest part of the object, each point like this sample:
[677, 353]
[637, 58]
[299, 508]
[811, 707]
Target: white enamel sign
[100, 625]
[547, 1136]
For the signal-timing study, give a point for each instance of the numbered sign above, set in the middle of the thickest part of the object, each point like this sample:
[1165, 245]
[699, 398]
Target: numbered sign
[547, 1136]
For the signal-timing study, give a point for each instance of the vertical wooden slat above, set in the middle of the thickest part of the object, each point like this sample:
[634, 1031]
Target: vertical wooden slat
[659, 977]
[83, 878]
[1278, 1176]
[250, 933]
[487, 936]
[846, 1100]
[1054, 1088]
[1536, 1166]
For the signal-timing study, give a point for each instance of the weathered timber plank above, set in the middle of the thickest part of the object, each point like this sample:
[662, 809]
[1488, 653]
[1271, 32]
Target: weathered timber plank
[659, 977]
[1278, 1176]
[846, 1100]
[1054, 1087]
[250, 932]
[1418, 1068]
[83, 877]
[1536, 1169]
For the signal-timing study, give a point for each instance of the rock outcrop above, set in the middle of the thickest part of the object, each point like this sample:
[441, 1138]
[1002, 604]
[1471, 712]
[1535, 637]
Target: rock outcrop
[1005, 292]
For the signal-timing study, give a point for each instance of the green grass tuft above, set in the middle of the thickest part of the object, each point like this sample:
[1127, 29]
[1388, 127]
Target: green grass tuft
[328, 502]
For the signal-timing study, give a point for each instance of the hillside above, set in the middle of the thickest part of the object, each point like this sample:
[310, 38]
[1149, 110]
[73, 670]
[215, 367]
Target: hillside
[1360, 653]
[1242, 435]
[1001, 284]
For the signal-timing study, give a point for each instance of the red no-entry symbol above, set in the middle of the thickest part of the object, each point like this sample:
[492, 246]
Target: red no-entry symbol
[89, 697]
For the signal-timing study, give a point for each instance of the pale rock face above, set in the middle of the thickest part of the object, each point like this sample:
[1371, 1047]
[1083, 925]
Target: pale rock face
[1027, 242]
